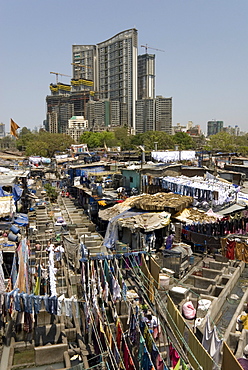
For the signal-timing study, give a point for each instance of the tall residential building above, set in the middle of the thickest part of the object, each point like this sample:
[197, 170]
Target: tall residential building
[117, 70]
[163, 114]
[146, 76]
[84, 66]
[112, 66]
[213, 127]
[145, 115]
[154, 114]
[59, 111]
[98, 113]
[65, 104]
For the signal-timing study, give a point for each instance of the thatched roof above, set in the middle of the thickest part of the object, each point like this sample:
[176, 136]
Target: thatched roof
[159, 202]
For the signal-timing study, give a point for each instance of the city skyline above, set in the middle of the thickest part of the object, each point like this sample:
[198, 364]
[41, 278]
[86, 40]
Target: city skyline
[202, 67]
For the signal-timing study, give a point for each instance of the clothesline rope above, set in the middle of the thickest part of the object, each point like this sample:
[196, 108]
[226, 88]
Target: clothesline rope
[165, 308]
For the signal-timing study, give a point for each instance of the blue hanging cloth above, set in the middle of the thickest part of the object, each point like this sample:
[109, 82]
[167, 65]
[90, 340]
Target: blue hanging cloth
[17, 192]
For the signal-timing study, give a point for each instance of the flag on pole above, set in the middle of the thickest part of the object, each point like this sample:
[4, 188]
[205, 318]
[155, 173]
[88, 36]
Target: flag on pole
[13, 127]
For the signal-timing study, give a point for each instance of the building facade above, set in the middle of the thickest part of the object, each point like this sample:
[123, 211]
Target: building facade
[117, 70]
[59, 111]
[154, 115]
[213, 127]
[163, 114]
[76, 127]
[84, 66]
[145, 115]
[109, 82]
[146, 76]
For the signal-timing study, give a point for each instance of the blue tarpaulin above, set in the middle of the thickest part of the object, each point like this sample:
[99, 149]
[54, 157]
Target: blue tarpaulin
[17, 192]
[21, 219]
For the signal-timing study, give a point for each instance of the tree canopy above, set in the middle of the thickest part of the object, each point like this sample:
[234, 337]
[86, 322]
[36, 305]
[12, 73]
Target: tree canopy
[47, 144]
[43, 143]
[222, 142]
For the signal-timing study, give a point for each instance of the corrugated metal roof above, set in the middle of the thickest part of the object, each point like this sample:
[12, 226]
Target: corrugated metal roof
[231, 209]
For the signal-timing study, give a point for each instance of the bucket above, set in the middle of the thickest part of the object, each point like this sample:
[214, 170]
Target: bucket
[191, 260]
[14, 229]
[13, 237]
[164, 281]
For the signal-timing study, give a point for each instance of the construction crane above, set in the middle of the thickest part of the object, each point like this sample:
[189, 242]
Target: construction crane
[57, 76]
[149, 47]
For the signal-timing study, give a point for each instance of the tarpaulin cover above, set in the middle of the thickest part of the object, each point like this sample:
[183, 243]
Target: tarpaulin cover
[17, 192]
[21, 219]
[2, 192]
[111, 235]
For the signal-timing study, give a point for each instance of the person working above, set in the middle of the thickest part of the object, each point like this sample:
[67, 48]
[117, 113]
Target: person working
[244, 320]
[153, 324]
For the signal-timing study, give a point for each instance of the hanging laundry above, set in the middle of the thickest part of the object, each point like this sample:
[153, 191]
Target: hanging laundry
[146, 363]
[13, 274]
[127, 359]
[230, 249]
[174, 356]
[116, 290]
[212, 343]
[118, 334]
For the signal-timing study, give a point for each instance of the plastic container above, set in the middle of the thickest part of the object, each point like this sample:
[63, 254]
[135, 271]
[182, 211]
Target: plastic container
[14, 229]
[191, 260]
[164, 281]
[13, 237]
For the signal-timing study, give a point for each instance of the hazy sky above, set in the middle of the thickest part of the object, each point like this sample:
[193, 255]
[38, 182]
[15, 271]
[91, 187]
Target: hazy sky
[204, 66]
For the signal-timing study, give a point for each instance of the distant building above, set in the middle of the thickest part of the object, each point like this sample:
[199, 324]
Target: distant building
[194, 130]
[117, 70]
[108, 79]
[2, 130]
[61, 106]
[145, 115]
[98, 113]
[163, 114]
[146, 76]
[234, 131]
[84, 66]
[154, 115]
[111, 65]
[213, 127]
[59, 111]
[178, 128]
[76, 127]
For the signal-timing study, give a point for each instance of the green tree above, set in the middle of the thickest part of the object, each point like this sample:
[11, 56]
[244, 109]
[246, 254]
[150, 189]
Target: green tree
[43, 143]
[55, 142]
[136, 140]
[92, 139]
[159, 139]
[24, 131]
[221, 142]
[37, 147]
[184, 141]
[25, 137]
[108, 138]
[51, 192]
[123, 138]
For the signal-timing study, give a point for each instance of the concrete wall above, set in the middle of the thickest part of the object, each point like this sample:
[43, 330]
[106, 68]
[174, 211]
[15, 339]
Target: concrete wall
[46, 355]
